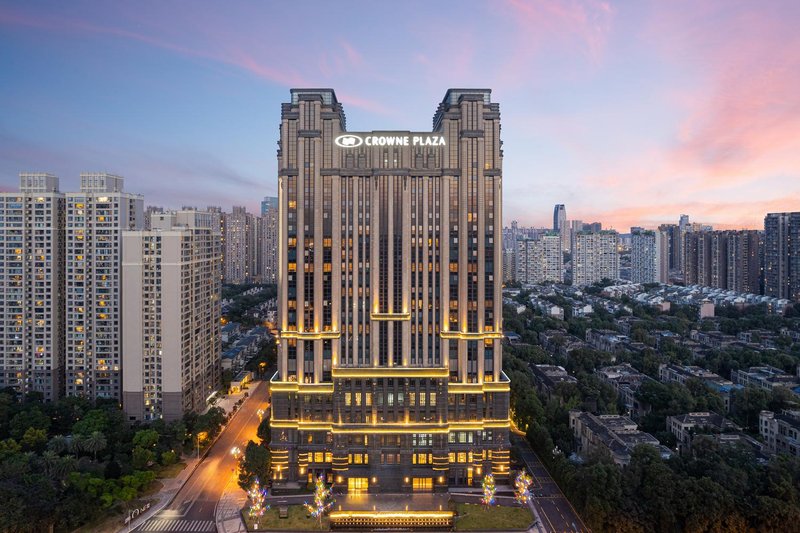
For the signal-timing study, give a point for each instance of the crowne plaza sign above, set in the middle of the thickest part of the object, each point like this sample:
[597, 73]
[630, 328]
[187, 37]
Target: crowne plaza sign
[350, 140]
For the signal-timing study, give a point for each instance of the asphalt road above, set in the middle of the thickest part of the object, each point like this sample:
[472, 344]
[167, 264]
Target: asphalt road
[556, 512]
[192, 509]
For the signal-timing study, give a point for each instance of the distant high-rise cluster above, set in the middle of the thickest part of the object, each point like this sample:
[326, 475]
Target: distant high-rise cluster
[722, 259]
[250, 244]
[94, 306]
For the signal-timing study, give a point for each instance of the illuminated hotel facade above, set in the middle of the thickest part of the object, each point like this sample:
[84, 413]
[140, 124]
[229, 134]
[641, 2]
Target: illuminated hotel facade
[390, 269]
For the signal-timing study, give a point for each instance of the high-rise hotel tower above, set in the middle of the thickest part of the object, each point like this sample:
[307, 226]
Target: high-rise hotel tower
[390, 364]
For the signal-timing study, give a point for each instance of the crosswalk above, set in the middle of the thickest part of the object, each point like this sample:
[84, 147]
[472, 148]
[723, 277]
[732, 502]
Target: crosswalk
[177, 525]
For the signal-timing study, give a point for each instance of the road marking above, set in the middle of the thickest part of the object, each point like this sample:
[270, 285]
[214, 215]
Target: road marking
[177, 525]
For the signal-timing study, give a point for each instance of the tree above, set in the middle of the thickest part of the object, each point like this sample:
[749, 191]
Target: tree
[141, 457]
[489, 490]
[94, 420]
[322, 500]
[34, 439]
[522, 483]
[30, 418]
[146, 438]
[254, 464]
[256, 495]
[264, 433]
[748, 403]
[58, 444]
[94, 443]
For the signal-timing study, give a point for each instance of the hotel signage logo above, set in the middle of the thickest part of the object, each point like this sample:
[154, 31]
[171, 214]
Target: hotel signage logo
[349, 140]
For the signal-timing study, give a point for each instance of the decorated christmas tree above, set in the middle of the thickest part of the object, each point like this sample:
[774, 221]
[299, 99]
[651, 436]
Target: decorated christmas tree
[322, 500]
[257, 495]
[522, 485]
[489, 489]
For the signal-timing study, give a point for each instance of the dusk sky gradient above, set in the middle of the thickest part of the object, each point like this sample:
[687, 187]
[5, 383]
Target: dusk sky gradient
[628, 112]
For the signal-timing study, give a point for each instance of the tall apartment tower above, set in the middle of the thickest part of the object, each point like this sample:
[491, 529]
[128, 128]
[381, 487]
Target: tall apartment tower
[782, 255]
[269, 239]
[95, 219]
[663, 255]
[560, 225]
[390, 362]
[644, 256]
[170, 316]
[596, 257]
[32, 287]
[744, 261]
[241, 246]
[541, 259]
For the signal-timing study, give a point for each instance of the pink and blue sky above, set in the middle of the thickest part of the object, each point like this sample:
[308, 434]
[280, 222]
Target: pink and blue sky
[628, 112]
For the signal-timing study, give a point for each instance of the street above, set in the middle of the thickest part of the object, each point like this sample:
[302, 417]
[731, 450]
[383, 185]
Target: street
[192, 509]
[556, 512]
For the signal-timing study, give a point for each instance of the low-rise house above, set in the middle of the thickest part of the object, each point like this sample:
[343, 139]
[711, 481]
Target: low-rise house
[626, 380]
[781, 432]
[605, 340]
[683, 373]
[229, 332]
[766, 378]
[547, 378]
[618, 435]
[685, 427]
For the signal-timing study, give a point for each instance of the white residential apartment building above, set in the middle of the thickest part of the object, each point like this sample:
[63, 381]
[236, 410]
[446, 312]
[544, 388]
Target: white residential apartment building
[31, 287]
[649, 256]
[170, 316]
[595, 257]
[541, 259]
[95, 219]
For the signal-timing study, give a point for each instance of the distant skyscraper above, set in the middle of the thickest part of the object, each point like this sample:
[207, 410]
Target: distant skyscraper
[32, 287]
[560, 225]
[170, 317]
[95, 219]
[269, 203]
[559, 217]
[672, 233]
[596, 257]
[663, 256]
[644, 256]
[782, 255]
[744, 261]
[541, 259]
[269, 240]
[239, 243]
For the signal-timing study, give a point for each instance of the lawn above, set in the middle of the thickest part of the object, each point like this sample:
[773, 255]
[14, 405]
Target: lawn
[298, 520]
[170, 471]
[473, 517]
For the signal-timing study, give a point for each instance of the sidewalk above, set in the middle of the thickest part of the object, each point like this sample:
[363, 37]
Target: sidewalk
[173, 485]
[227, 514]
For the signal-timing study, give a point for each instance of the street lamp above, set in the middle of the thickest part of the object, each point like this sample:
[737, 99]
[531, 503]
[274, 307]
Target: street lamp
[201, 435]
[260, 414]
[235, 451]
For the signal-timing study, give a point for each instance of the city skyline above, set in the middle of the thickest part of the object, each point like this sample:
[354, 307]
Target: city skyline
[628, 114]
